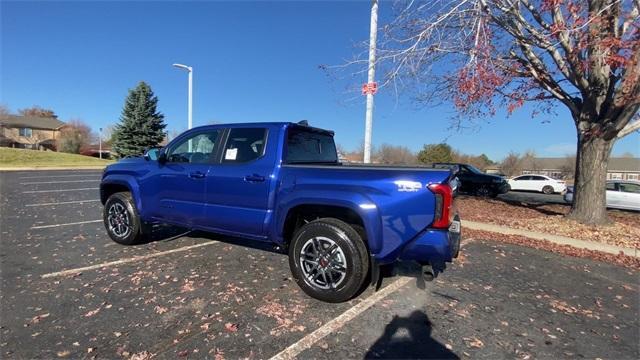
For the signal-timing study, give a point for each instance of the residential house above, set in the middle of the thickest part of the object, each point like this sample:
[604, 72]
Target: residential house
[29, 132]
[562, 168]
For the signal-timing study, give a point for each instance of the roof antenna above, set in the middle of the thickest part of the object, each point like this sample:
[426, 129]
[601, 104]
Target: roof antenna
[303, 122]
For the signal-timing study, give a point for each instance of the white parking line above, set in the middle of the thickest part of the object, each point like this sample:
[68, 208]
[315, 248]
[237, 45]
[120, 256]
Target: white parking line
[124, 261]
[60, 176]
[62, 203]
[306, 342]
[59, 190]
[58, 182]
[67, 224]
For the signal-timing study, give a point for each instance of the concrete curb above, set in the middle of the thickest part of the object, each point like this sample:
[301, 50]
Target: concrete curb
[562, 240]
[36, 168]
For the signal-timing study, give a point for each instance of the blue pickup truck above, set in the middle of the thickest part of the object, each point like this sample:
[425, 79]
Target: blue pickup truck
[283, 183]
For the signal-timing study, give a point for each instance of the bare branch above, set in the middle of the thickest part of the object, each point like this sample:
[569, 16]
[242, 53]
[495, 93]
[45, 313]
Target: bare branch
[630, 128]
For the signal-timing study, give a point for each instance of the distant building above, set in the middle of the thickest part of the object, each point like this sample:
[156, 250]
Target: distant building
[562, 168]
[29, 132]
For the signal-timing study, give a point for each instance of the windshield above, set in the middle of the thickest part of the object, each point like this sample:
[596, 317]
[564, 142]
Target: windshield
[310, 147]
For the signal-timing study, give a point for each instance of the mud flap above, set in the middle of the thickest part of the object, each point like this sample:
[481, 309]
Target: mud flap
[376, 279]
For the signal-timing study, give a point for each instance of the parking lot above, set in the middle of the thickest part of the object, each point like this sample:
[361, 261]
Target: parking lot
[68, 291]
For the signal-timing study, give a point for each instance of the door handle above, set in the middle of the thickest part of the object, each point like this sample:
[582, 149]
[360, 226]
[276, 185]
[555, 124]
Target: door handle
[254, 178]
[196, 175]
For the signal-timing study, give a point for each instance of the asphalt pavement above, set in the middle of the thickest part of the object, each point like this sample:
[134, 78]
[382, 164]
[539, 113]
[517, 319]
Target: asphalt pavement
[68, 291]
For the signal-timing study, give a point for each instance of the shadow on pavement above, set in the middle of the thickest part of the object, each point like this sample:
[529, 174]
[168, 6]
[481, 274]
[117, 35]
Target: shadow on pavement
[166, 233]
[534, 206]
[414, 342]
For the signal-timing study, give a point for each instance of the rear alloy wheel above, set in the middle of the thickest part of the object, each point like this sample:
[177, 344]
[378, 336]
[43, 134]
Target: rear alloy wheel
[328, 260]
[483, 191]
[547, 190]
[121, 219]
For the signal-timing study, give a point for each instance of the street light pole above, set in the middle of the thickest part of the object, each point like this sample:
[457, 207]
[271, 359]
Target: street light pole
[100, 143]
[373, 33]
[190, 111]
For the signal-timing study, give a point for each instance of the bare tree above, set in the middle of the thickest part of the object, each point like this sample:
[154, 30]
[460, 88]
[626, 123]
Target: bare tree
[75, 137]
[481, 161]
[392, 154]
[529, 161]
[37, 111]
[4, 110]
[511, 164]
[485, 54]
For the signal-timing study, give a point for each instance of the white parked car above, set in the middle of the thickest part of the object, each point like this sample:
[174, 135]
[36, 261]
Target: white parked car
[621, 194]
[541, 183]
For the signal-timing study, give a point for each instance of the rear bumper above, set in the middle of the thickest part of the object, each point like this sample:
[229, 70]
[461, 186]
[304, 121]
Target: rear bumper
[432, 246]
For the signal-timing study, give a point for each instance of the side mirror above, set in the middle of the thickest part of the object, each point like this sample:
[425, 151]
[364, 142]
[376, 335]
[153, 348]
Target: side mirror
[154, 154]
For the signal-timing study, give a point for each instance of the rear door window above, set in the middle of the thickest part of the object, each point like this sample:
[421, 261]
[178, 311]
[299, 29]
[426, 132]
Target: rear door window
[611, 187]
[244, 145]
[629, 188]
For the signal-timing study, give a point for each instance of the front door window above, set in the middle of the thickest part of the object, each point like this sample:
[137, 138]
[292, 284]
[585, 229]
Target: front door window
[196, 149]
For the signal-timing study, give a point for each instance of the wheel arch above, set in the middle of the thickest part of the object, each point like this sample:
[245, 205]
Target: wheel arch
[112, 185]
[297, 213]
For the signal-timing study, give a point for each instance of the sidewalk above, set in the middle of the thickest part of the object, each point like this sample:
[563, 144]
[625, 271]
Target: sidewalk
[562, 240]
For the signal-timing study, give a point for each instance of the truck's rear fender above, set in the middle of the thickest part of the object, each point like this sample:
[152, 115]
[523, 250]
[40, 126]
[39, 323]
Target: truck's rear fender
[403, 216]
[113, 183]
[355, 204]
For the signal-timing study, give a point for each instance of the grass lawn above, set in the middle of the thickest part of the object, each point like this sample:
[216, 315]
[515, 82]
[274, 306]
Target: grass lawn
[33, 158]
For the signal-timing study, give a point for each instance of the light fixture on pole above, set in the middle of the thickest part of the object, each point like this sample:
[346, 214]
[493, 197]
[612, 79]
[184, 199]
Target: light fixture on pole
[190, 70]
[370, 87]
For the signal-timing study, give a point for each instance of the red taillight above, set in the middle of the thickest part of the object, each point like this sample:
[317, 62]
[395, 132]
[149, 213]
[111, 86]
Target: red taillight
[444, 200]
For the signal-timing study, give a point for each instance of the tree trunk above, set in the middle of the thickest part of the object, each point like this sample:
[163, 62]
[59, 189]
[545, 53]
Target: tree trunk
[589, 197]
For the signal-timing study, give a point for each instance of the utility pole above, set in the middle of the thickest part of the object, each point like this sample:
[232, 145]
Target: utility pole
[370, 88]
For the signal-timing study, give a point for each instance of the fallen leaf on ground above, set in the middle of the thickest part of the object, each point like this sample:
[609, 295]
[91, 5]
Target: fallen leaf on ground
[92, 312]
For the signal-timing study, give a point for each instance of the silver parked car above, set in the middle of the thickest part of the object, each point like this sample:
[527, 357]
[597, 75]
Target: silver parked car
[621, 194]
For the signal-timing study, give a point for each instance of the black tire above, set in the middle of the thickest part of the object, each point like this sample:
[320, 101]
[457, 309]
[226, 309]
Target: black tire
[483, 191]
[351, 251]
[129, 218]
[547, 189]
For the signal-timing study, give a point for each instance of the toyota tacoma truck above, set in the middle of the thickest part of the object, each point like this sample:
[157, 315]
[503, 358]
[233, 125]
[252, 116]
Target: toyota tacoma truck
[282, 183]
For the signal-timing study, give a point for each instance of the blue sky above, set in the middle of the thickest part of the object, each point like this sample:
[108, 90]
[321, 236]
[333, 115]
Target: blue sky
[252, 62]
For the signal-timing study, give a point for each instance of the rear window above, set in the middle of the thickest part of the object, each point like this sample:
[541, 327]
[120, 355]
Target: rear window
[310, 147]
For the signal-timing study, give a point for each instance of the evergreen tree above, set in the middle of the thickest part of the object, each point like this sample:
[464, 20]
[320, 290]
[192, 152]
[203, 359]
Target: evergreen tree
[141, 125]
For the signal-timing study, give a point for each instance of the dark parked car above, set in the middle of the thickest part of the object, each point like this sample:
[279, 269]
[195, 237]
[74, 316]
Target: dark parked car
[474, 181]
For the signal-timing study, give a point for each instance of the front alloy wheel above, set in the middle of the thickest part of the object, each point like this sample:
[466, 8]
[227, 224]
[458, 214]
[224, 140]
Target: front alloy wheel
[121, 219]
[118, 220]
